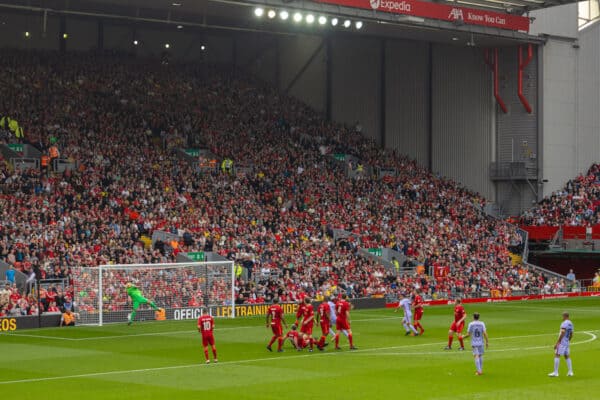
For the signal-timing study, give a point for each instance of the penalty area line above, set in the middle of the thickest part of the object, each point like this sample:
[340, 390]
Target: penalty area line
[431, 353]
[256, 360]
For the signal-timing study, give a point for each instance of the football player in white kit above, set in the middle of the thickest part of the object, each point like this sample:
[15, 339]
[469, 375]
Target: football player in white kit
[561, 348]
[478, 333]
[405, 304]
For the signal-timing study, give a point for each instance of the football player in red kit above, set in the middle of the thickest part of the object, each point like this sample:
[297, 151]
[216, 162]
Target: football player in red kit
[206, 325]
[418, 311]
[457, 326]
[308, 319]
[274, 321]
[324, 319]
[342, 309]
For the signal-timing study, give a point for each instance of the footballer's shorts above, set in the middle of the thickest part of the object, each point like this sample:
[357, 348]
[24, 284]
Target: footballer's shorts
[208, 339]
[478, 350]
[342, 325]
[277, 329]
[562, 350]
[458, 328]
[138, 301]
[418, 314]
[307, 329]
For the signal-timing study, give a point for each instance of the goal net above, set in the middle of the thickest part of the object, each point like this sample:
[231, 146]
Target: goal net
[181, 289]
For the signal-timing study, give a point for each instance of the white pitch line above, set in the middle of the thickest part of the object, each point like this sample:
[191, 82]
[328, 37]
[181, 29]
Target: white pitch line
[38, 336]
[424, 353]
[238, 362]
[548, 309]
[165, 333]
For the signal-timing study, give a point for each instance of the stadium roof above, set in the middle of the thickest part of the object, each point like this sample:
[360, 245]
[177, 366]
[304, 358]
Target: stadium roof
[238, 15]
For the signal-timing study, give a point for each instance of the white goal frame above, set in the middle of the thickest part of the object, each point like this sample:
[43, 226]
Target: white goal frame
[106, 267]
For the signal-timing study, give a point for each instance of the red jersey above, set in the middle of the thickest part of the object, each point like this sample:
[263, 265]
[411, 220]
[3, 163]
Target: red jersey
[418, 302]
[300, 311]
[459, 312]
[206, 324]
[292, 335]
[309, 313]
[341, 308]
[276, 313]
[323, 312]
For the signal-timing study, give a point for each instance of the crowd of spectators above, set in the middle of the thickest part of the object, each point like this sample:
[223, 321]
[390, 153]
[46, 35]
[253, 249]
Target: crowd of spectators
[121, 119]
[577, 204]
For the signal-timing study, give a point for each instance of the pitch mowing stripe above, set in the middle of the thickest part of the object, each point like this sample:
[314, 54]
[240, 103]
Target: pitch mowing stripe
[165, 333]
[549, 309]
[239, 362]
[429, 353]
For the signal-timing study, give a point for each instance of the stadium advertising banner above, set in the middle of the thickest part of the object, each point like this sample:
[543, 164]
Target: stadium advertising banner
[505, 299]
[29, 322]
[243, 310]
[416, 8]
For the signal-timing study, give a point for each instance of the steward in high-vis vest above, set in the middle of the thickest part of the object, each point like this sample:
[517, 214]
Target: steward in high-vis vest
[227, 165]
[4, 122]
[396, 264]
[44, 162]
[238, 270]
[54, 153]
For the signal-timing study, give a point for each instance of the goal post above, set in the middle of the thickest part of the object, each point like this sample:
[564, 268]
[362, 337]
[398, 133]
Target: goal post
[181, 289]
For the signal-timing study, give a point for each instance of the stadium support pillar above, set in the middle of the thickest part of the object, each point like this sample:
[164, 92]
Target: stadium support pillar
[522, 66]
[62, 38]
[430, 107]
[328, 76]
[382, 92]
[100, 44]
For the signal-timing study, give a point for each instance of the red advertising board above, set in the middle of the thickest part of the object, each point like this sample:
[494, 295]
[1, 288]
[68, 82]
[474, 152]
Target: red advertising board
[505, 299]
[438, 11]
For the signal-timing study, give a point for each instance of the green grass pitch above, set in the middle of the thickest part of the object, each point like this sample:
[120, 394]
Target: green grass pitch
[164, 360]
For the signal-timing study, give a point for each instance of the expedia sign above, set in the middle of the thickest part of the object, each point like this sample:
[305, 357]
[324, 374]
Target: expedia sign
[29, 322]
[8, 324]
[439, 11]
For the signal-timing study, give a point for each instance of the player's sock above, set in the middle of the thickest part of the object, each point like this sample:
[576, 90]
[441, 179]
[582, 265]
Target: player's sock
[481, 363]
[350, 340]
[279, 344]
[556, 364]
[133, 315]
[450, 340]
[206, 354]
[337, 340]
[421, 330]
[332, 333]
[478, 364]
[214, 351]
[570, 365]
[462, 343]
[154, 306]
[311, 342]
[412, 328]
[345, 332]
[272, 341]
[322, 341]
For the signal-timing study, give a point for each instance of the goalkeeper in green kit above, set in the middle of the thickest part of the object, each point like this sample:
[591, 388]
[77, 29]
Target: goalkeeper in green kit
[137, 298]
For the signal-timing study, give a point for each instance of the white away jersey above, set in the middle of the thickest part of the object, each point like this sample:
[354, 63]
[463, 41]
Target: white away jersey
[567, 325]
[476, 330]
[405, 304]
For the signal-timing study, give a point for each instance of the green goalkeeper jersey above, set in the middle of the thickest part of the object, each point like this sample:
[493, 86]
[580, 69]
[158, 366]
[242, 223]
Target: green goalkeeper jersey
[134, 293]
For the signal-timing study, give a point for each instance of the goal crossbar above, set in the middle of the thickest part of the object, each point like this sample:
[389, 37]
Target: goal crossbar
[213, 282]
